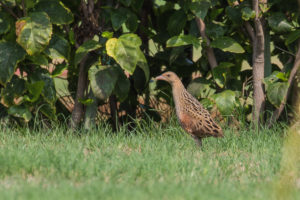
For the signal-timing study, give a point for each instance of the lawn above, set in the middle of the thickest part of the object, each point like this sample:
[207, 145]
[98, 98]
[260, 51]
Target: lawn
[153, 163]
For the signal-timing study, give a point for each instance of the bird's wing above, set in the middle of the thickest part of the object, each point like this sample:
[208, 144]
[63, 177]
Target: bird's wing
[201, 123]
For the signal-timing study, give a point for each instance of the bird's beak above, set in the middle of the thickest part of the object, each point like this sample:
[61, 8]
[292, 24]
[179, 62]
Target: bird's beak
[161, 77]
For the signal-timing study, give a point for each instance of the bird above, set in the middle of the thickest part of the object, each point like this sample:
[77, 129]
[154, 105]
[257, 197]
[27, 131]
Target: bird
[191, 114]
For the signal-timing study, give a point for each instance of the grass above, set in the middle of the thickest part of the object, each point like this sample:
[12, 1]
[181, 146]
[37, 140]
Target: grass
[154, 163]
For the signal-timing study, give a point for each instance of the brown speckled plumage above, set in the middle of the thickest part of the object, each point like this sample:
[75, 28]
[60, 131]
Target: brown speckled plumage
[192, 116]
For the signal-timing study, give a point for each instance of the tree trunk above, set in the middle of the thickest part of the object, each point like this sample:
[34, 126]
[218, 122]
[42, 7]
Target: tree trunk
[77, 113]
[295, 68]
[114, 112]
[209, 51]
[258, 68]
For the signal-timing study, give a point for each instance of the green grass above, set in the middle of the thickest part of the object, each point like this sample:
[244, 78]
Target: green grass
[154, 163]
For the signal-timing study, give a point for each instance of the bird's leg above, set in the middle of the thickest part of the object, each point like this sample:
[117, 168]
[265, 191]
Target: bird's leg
[197, 140]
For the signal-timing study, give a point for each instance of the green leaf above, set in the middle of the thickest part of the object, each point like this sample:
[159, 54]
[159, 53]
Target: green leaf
[200, 8]
[103, 80]
[182, 40]
[200, 88]
[107, 34]
[39, 59]
[27, 3]
[132, 21]
[14, 88]
[176, 22]
[276, 92]
[274, 77]
[248, 13]
[10, 55]
[84, 49]
[56, 10]
[122, 86]
[215, 30]
[4, 23]
[86, 102]
[126, 52]
[34, 32]
[227, 44]
[49, 111]
[136, 5]
[59, 70]
[49, 92]
[59, 48]
[278, 22]
[118, 17]
[220, 73]
[21, 112]
[225, 102]
[234, 14]
[126, 2]
[35, 89]
[293, 36]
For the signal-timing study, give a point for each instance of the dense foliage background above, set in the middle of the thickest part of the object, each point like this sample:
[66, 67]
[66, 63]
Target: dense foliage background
[65, 58]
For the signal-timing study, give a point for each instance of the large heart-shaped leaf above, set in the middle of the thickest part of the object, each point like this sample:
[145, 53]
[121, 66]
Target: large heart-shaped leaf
[126, 52]
[225, 102]
[21, 112]
[56, 10]
[276, 92]
[103, 80]
[84, 49]
[278, 22]
[227, 44]
[10, 55]
[182, 40]
[59, 48]
[34, 32]
[200, 7]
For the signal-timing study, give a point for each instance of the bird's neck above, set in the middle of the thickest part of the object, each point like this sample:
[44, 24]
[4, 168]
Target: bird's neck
[177, 90]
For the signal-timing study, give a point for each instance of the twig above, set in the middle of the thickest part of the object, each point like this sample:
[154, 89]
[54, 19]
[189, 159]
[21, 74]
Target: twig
[24, 8]
[295, 68]
[210, 52]
[285, 51]
[8, 10]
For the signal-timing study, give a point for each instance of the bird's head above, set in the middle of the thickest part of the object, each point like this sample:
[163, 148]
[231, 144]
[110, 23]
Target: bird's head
[170, 77]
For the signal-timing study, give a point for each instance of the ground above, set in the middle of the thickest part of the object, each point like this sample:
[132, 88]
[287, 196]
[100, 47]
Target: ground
[153, 163]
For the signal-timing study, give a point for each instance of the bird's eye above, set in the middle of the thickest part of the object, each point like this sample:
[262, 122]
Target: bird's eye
[168, 75]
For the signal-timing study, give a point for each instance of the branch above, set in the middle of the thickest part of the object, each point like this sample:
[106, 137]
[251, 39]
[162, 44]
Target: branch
[210, 52]
[24, 9]
[250, 31]
[8, 10]
[296, 65]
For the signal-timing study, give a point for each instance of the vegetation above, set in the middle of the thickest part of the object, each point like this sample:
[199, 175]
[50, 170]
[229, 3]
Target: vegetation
[238, 56]
[155, 163]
